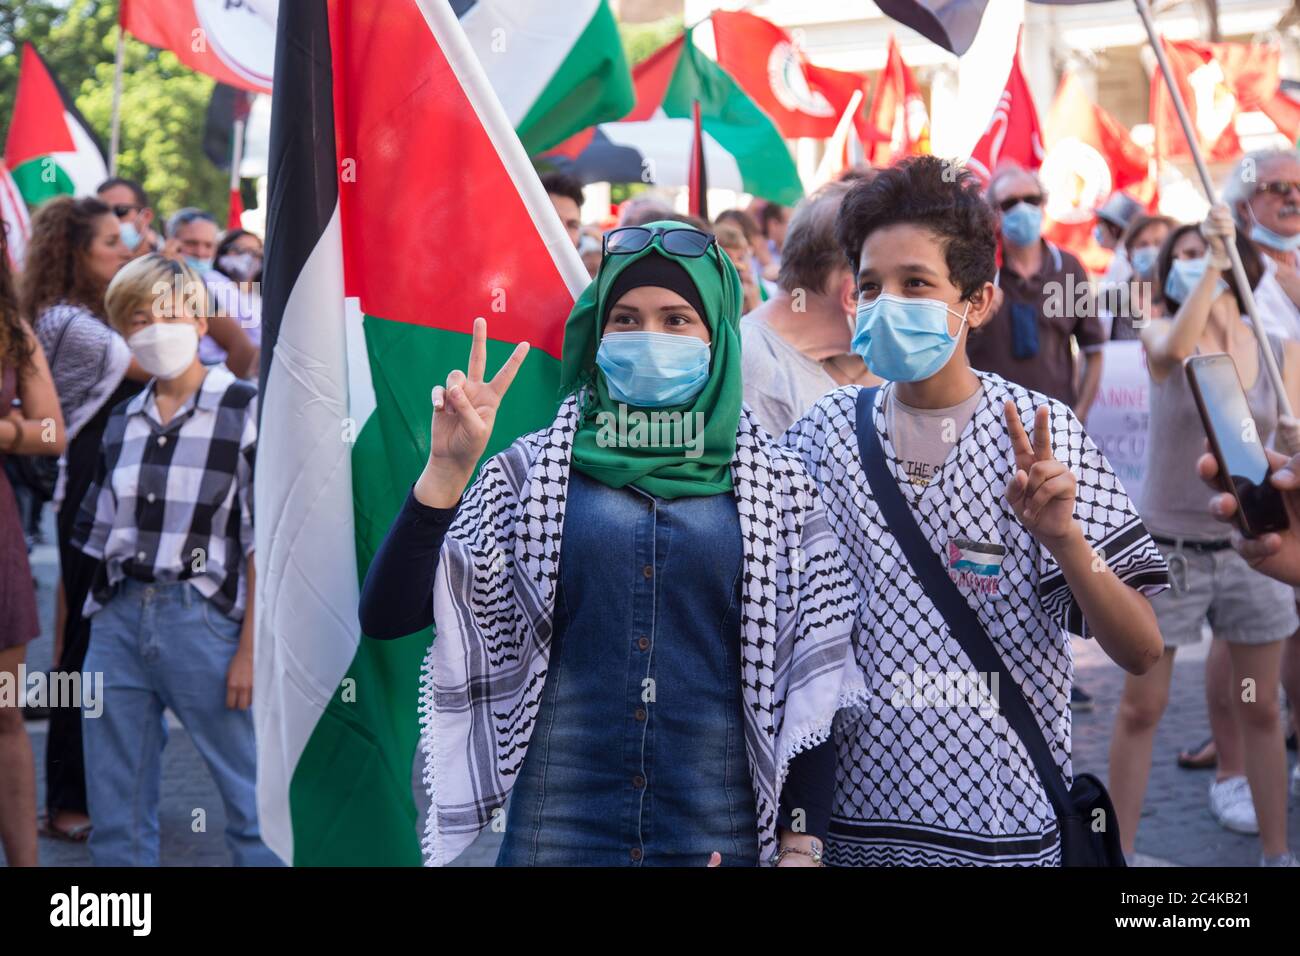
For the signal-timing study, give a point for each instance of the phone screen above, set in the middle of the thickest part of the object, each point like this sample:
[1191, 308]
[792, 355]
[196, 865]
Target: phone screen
[1241, 449]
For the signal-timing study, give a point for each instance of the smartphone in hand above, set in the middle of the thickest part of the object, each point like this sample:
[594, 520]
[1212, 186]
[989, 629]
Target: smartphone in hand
[1243, 467]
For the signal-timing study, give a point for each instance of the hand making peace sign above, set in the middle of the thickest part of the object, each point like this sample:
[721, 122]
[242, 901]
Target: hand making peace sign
[463, 413]
[1041, 491]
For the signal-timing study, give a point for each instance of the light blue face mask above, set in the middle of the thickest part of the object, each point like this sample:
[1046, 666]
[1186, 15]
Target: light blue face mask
[905, 340]
[1267, 237]
[1022, 224]
[1144, 260]
[653, 369]
[1184, 274]
[130, 236]
[201, 266]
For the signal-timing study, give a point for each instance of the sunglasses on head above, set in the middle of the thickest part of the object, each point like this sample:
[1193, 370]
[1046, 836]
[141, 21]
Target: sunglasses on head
[678, 242]
[1007, 205]
[1280, 187]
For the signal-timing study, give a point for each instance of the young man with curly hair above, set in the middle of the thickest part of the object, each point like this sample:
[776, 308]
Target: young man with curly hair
[1025, 514]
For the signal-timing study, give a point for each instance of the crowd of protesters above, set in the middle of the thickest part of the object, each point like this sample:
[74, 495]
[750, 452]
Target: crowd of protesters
[133, 417]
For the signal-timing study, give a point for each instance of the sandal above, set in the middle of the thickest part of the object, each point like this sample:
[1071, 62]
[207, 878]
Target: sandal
[1201, 757]
[74, 834]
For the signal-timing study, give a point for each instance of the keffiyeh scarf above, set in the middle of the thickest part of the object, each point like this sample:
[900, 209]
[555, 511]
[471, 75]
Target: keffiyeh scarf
[493, 599]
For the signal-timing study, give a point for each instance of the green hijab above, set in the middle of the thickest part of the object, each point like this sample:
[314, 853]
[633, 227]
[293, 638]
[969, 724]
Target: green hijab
[689, 451]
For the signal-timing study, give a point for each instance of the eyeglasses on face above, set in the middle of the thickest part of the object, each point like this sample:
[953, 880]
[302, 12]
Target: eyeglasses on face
[1278, 187]
[1011, 202]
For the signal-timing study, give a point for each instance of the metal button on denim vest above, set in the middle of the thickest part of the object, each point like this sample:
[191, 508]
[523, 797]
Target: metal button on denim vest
[638, 753]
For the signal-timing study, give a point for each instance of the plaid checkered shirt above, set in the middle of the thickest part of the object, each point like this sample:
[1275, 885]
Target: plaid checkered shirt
[174, 502]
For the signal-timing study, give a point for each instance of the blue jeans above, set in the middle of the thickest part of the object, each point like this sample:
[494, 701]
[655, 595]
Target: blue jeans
[164, 646]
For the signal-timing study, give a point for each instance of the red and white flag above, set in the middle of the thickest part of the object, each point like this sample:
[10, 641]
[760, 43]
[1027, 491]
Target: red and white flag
[1089, 156]
[1218, 81]
[13, 219]
[232, 40]
[802, 99]
[897, 122]
[1013, 134]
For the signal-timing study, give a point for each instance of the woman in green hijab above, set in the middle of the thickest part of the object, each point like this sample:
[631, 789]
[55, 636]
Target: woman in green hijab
[643, 623]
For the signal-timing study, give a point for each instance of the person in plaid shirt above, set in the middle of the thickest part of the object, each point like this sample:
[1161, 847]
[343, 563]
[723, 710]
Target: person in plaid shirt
[169, 518]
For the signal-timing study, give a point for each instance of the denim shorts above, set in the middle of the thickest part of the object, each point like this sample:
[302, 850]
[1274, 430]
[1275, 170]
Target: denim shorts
[1241, 605]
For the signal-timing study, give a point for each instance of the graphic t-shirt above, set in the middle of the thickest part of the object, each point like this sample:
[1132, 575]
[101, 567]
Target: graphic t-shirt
[924, 437]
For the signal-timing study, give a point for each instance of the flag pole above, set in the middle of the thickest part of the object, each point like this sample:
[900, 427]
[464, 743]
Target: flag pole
[236, 160]
[839, 140]
[1238, 270]
[116, 130]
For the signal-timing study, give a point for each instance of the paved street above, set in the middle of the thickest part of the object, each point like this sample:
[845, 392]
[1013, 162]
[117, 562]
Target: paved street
[1176, 827]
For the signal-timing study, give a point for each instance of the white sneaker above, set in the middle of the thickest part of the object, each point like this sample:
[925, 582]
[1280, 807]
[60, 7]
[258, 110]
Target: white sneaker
[1231, 805]
[1286, 859]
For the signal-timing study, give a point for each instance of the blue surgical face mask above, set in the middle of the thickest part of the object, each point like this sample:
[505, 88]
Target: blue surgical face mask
[1184, 274]
[905, 340]
[1022, 224]
[1267, 237]
[653, 369]
[1144, 260]
[201, 266]
[130, 236]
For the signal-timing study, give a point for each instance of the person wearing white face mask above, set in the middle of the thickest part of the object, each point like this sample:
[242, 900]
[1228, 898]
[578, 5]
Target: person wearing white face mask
[1249, 614]
[192, 238]
[169, 518]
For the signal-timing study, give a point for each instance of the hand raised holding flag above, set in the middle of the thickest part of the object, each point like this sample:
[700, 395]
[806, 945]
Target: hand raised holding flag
[1041, 491]
[463, 413]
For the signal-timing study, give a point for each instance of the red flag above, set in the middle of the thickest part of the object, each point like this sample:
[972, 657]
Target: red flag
[1217, 81]
[897, 123]
[1013, 134]
[1089, 156]
[230, 40]
[802, 99]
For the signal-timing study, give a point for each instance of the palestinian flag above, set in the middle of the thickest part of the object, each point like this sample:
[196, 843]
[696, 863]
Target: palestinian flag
[556, 65]
[365, 162]
[50, 149]
[231, 40]
[744, 151]
[13, 220]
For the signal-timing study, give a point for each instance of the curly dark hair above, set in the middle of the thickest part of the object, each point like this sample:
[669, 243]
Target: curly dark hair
[15, 343]
[934, 193]
[62, 231]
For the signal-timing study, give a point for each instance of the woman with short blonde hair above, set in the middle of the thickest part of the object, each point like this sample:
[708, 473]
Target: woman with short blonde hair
[154, 281]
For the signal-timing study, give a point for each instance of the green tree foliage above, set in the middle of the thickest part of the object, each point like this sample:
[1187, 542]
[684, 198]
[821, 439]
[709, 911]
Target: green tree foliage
[163, 102]
[642, 39]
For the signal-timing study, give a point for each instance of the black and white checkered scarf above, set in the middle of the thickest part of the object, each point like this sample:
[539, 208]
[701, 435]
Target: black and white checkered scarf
[493, 599]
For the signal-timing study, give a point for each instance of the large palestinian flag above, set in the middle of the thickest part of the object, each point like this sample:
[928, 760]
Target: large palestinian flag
[743, 150]
[402, 207]
[556, 65]
[50, 149]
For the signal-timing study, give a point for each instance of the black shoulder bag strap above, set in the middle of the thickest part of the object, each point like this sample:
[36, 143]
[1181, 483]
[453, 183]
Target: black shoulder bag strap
[966, 627]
